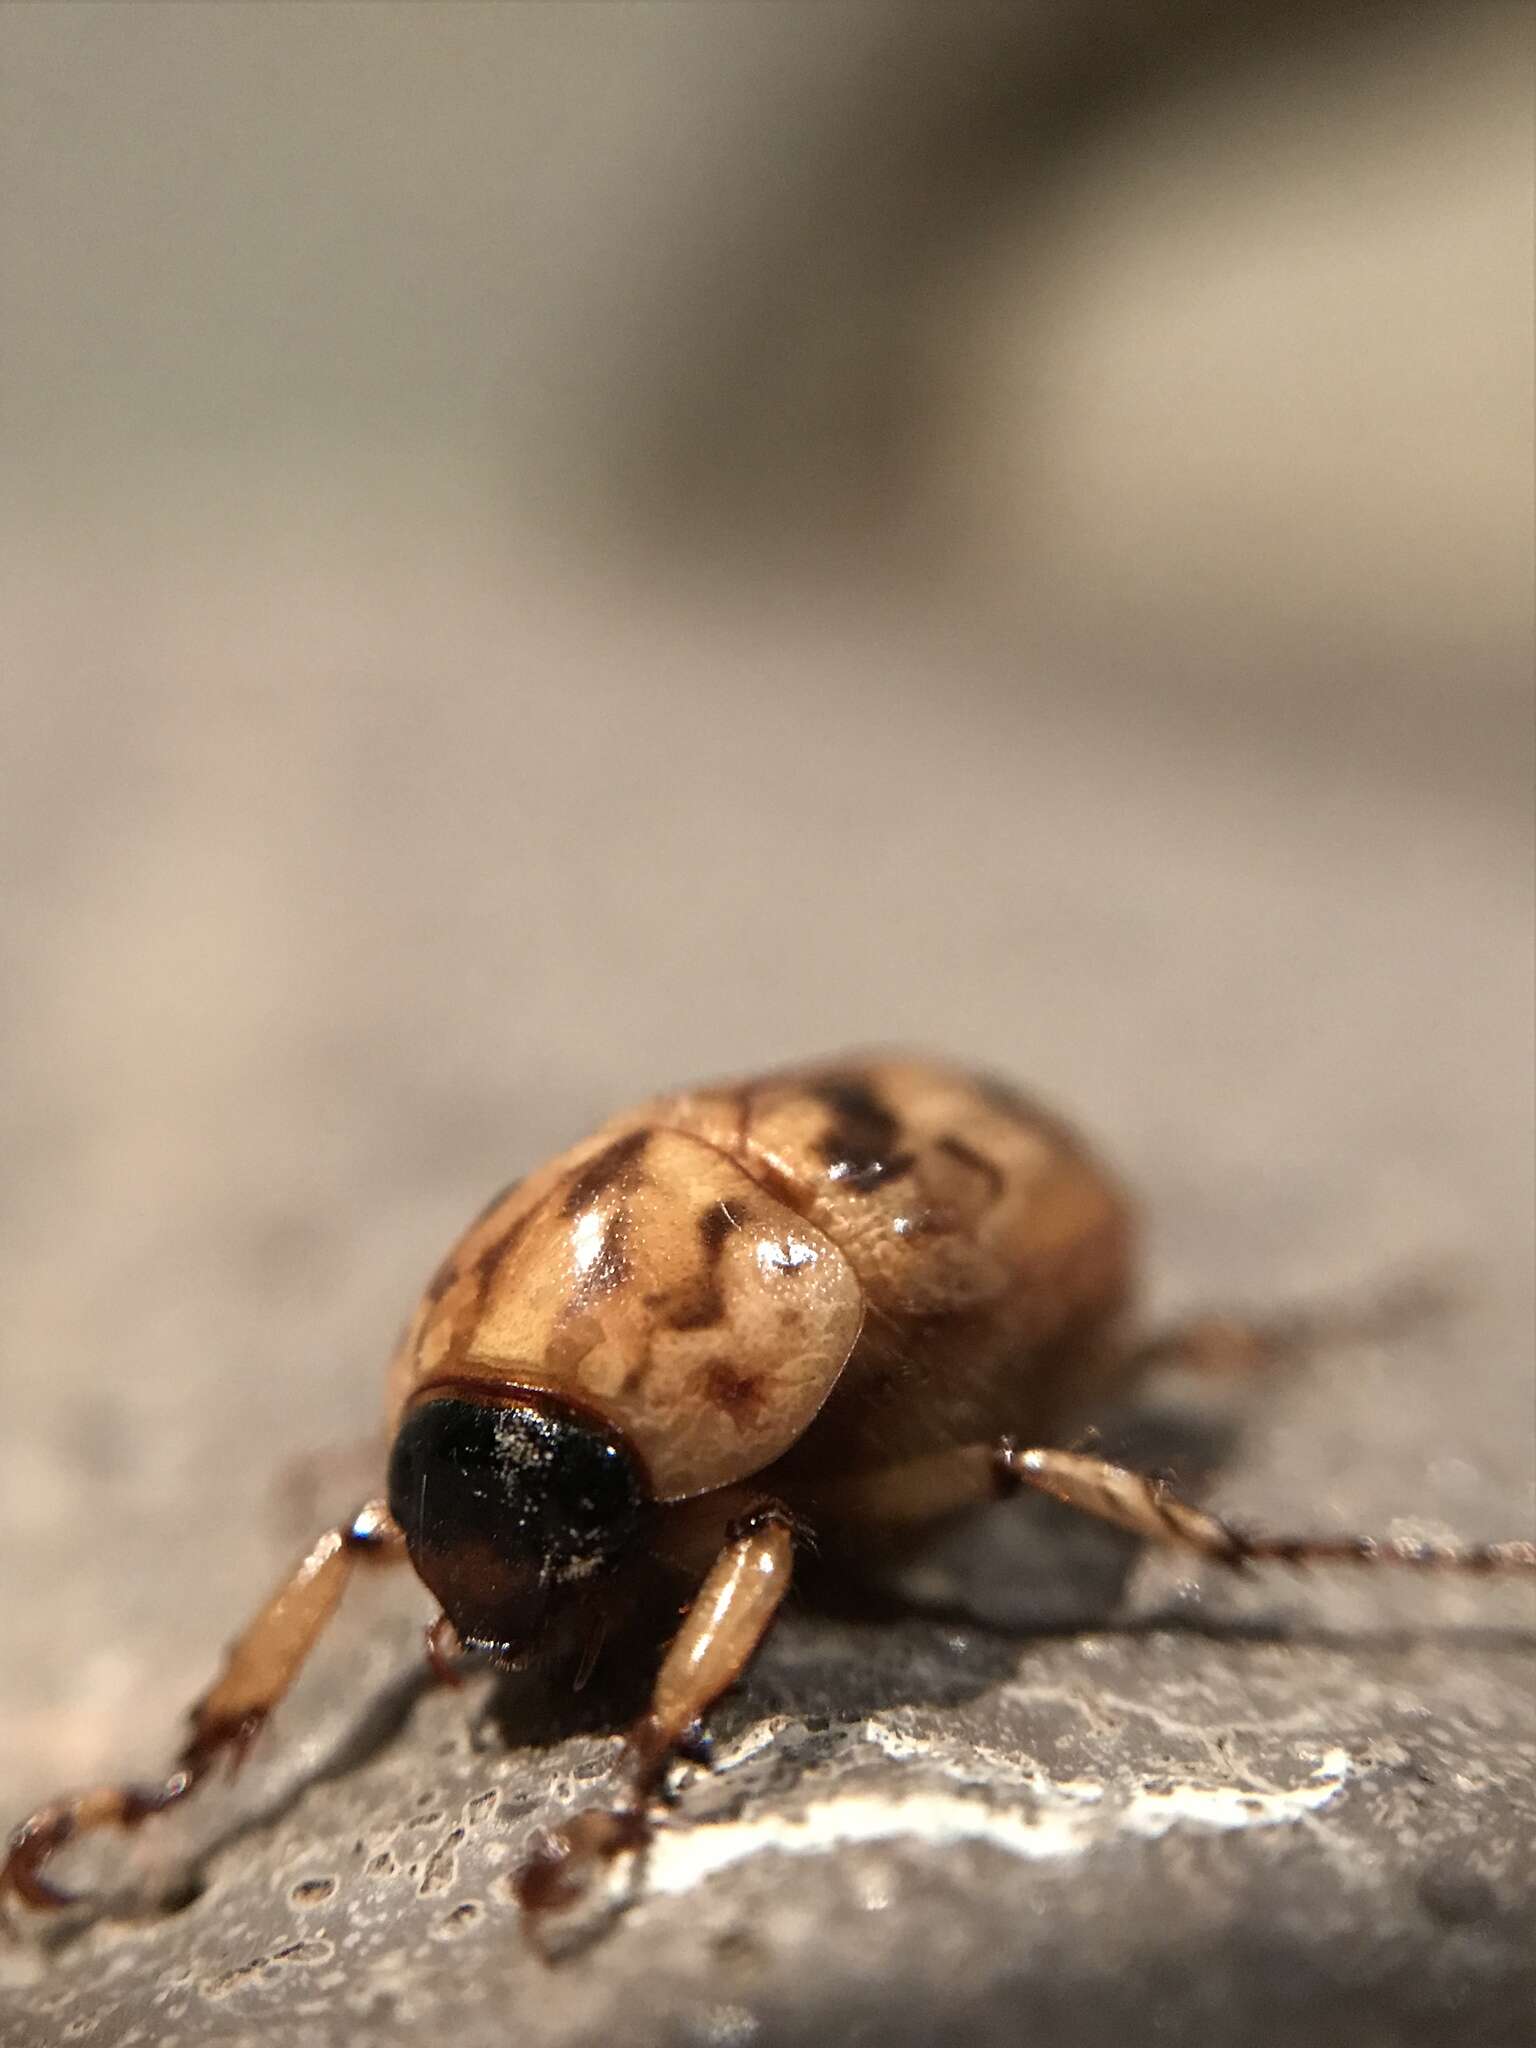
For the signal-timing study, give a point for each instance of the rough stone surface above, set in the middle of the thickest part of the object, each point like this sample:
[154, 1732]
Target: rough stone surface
[297, 974]
[912, 1834]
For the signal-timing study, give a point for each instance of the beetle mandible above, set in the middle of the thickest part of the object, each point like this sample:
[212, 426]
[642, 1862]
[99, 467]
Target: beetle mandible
[848, 1299]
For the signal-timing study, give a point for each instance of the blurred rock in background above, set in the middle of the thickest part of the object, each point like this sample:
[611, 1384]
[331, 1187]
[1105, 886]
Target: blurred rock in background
[1209, 325]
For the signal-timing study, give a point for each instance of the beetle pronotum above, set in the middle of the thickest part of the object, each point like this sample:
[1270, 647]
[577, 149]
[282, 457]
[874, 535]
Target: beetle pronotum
[851, 1299]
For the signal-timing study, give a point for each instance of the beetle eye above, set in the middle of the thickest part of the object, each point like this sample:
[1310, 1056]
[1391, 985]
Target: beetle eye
[504, 1501]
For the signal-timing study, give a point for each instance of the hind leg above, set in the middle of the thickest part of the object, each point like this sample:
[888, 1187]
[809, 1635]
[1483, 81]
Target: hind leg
[1221, 1344]
[926, 1488]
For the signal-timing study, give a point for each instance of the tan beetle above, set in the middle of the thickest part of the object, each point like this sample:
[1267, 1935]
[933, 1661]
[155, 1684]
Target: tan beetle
[847, 1299]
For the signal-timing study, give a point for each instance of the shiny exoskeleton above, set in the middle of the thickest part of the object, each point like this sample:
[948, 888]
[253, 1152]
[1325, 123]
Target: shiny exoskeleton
[848, 1299]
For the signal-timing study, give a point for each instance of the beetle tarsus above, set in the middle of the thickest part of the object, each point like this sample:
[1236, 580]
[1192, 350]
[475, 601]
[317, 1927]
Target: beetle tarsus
[46, 1831]
[696, 1746]
[560, 1871]
[29, 1849]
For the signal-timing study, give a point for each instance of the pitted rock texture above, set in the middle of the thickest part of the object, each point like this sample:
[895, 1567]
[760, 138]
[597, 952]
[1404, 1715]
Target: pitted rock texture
[910, 1833]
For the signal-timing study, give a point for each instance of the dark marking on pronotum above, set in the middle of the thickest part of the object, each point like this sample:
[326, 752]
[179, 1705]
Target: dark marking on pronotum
[696, 1308]
[717, 1225]
[696, 1305]
[738, 1393]
[480, 1273]
[611, 1268]
[443, 1279]
[864, 1122]
[453, 1268]
[500, 1248]
[700, 1302]
[862, 1178]
[860, 1148]
[609, 1170]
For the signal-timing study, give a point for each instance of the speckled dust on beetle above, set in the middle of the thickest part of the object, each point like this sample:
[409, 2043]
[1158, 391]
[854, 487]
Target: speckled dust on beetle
[844, 1301]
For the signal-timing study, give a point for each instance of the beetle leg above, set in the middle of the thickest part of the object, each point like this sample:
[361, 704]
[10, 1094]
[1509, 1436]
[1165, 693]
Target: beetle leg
[259, 1668]
[1150, 1507]
[1231, 1344]
[925, 1488]
[723, 1627]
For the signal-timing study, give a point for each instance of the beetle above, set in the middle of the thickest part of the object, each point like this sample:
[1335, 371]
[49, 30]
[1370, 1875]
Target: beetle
[848, 1299]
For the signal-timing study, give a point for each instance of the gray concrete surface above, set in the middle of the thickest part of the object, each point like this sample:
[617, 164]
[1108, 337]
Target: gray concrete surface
[360, 890]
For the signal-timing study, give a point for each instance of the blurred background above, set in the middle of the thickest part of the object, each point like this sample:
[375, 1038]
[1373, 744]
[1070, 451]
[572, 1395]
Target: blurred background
[549, 550]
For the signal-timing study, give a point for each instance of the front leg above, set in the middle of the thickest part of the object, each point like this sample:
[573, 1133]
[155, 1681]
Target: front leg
[726, 1622]
[261, 1665]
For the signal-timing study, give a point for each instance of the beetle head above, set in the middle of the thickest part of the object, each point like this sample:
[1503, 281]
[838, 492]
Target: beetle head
[511, 1501]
